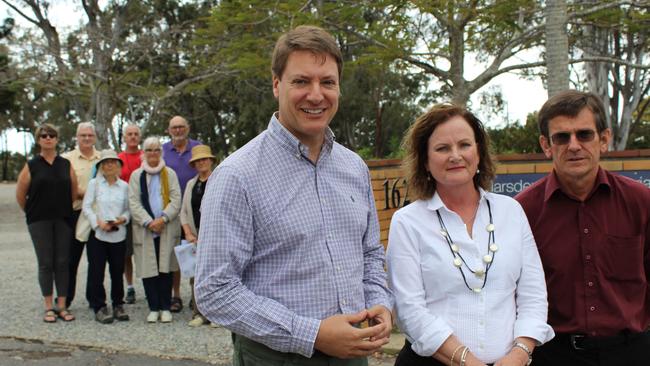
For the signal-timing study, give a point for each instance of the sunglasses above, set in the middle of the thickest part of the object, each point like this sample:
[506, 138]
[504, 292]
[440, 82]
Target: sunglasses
[563, 138]
[47, 136]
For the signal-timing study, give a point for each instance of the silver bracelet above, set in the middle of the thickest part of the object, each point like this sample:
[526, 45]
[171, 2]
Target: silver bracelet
[526, 349]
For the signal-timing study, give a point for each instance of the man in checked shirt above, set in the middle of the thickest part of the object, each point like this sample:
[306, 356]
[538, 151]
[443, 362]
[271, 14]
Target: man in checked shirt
[289, 257]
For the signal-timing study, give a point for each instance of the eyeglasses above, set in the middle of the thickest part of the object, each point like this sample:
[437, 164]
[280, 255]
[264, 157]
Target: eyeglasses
[152, 150]
[86, 136]
[178, 127]
[47, 136]
[563, 138]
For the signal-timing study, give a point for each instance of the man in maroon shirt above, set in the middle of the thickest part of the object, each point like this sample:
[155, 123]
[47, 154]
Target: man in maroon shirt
[592, 230]
[130, 162]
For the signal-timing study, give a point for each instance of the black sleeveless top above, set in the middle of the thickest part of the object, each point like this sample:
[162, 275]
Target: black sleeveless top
[49, 196]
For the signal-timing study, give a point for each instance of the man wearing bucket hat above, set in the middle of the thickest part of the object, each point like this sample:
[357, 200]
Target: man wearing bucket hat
[106, 206]
[202, 160]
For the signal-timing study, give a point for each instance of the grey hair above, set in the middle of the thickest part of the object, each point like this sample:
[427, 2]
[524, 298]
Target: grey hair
[129, 126]
[83, 125]
[152, 142]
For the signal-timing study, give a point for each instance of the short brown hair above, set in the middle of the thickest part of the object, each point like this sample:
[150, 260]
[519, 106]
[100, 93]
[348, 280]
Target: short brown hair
[45, 128]
[304, 38]
[416, 144]
[570, 103]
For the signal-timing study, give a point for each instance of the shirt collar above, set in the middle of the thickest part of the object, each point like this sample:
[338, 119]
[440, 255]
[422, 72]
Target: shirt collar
[291, 143]
[436, 203]
[94, 156]
[553, 184]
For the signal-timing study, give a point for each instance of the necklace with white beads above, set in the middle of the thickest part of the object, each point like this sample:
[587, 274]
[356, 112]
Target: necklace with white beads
[459, 261]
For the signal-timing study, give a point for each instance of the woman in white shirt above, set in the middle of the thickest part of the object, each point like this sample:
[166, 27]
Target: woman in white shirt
[106, 206]
[462, 262]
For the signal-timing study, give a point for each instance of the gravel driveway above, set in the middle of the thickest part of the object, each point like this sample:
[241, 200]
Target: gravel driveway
[22, 308]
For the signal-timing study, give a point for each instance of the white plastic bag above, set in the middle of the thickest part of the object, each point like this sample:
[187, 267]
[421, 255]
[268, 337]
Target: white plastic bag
[186, 256]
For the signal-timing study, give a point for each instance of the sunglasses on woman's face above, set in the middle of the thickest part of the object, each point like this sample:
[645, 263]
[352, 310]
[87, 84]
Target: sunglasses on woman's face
[48, 136]
[563, 138]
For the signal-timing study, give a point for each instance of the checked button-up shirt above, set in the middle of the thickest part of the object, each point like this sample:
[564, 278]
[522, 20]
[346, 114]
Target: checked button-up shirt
[285, 242]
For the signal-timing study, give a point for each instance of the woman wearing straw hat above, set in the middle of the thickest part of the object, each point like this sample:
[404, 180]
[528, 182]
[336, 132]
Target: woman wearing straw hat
[106, 206]
[202, 160]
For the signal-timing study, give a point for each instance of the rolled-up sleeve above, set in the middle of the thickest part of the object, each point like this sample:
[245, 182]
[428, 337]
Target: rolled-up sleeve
[531, 296]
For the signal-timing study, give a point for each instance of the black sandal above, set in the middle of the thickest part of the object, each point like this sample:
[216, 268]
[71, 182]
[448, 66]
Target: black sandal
[65, 315]
[50, 316]
[176, 305]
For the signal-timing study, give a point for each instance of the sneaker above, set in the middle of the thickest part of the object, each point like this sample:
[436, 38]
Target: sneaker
[152, 317]
[120, 314]
[103, 316]
[197, 321]
[130, 296]
[165, 316]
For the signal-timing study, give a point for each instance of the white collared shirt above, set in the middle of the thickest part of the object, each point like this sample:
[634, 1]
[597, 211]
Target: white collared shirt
[111, 201]
[433, 302]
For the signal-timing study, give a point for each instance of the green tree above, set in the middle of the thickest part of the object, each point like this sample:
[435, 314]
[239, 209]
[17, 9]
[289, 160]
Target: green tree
[516, 138]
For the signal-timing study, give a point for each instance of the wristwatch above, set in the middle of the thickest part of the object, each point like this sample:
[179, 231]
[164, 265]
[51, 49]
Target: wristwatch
[165, 219]
[526, 349]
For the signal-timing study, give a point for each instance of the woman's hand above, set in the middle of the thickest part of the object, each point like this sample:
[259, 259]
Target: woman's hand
[119, 221]
[157, 225]
[104, 225]
[516, 357]
[191, 237]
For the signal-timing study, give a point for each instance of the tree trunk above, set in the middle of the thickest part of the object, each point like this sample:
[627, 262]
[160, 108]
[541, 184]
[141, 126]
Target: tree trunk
[557, 46]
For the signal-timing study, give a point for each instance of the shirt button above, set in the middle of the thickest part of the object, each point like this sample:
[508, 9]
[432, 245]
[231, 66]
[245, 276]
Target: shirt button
[586, 231]
[588, 257]
[592, 308]
[342, 302]
[338, 268]
[590, 284]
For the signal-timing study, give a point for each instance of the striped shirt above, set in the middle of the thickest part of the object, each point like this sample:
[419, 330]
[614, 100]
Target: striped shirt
[285, 243]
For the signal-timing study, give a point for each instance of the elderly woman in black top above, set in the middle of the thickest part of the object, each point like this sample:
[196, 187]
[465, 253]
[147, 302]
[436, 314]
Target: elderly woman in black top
[45, 191]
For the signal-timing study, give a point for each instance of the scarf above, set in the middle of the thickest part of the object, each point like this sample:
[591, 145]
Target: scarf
[164, 182]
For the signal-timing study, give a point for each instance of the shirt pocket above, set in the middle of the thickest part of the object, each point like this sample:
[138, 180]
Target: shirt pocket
[623, 258]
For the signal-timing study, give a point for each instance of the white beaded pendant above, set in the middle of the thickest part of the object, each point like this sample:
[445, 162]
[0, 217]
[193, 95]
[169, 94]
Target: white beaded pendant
[477, 290]
[487, 258]
[479, 273]
[457, 262]
[454, 248]
[494, 248]
[490, 228]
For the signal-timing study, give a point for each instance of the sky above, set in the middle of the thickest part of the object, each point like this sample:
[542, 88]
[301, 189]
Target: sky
[522, 96]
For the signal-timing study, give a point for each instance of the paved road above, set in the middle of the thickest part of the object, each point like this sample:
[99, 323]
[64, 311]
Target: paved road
[84, 339]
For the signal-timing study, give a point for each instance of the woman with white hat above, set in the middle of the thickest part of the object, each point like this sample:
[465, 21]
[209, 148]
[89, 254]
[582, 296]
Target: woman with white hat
[202, 160]
[106, 206]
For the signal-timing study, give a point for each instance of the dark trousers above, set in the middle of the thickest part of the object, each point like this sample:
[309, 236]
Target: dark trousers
[250, 353]
[52, 246]
[76, 250]
[158, 289]
[99, 253]
[559, 351]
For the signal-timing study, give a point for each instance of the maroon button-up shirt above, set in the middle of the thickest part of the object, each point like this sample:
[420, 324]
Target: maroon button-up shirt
[596, 253]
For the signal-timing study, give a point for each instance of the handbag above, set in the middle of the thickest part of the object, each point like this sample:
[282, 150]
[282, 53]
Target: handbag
[82, 230]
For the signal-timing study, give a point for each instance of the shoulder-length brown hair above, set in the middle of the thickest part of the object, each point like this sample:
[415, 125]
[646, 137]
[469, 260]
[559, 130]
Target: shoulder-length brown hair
[416, 144]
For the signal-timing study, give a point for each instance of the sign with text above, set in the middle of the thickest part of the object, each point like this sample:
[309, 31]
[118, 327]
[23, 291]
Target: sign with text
[511, 184]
